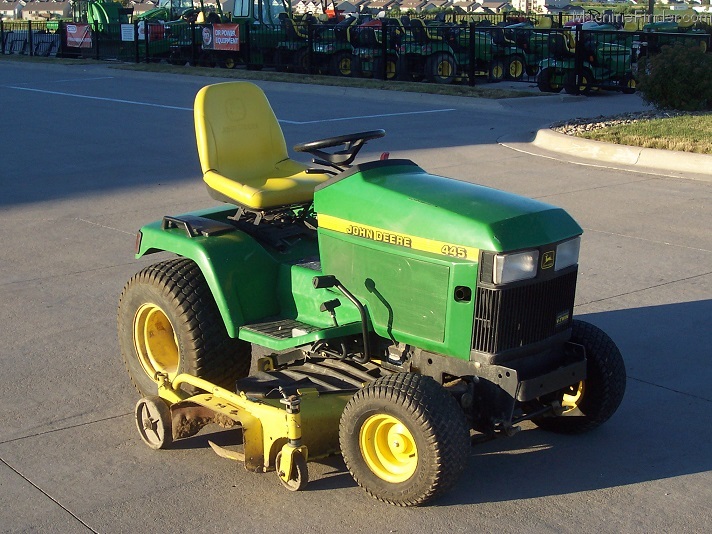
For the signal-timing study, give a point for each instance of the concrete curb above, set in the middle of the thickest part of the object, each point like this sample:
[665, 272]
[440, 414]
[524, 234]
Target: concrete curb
[668, 160]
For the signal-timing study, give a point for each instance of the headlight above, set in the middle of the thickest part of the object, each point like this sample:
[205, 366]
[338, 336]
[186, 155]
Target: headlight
[513, 267]
[567, 253]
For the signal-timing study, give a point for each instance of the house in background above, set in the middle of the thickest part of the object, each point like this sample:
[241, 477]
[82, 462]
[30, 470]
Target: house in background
[141, 6]
[47, 9]
[11, 10]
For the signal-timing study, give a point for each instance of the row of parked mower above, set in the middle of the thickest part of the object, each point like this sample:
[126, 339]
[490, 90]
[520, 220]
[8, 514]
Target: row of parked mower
[413, 50]
[597, 51]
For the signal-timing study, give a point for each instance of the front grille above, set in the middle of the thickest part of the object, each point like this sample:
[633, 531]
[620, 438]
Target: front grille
[514, 317]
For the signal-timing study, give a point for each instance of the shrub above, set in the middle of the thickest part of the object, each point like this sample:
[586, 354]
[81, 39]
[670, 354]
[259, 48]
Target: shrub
[679, 77]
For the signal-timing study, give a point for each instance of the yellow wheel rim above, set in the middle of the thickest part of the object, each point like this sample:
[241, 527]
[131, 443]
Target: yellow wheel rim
[155, 341]
[445, 69]
[572, 398]
[388, 448]
[516, 69]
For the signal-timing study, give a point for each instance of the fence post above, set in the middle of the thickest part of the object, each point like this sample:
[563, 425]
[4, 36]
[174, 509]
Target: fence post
[578, 56]
[247, 56]
[62, 30]
[146, 33]
[472, 53]
[30, 41]
[135, 29]
[383, 75]
[561, 19]
[96, 38]
[310, 46]
[193, 58]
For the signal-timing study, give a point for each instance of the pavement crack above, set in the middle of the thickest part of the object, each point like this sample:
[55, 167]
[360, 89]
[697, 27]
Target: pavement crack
[103, 226]
[670, 282]
[672, 390]
[72, 273]
[43, 492]
[69, 427]
[647, 240]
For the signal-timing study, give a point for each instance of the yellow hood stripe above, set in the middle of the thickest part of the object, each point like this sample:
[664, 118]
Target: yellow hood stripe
[421, 244]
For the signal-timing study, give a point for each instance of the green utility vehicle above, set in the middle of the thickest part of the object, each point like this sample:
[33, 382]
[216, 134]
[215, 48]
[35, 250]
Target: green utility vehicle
[600, 63]
[398, 312]
[684, 27]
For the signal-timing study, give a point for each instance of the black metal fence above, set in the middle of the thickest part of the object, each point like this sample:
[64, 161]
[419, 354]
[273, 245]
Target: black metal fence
[575, 57]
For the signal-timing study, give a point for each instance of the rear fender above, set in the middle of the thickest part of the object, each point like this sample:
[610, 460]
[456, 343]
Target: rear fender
[240, 273]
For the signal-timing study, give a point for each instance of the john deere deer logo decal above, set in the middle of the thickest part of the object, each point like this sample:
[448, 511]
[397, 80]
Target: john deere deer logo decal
[547, 259]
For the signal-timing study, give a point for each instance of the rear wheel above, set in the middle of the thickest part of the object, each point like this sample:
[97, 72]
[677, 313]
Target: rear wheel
[628, 84]
[404, 439]
[441, 68]
[588, 404]
[545, 81]
[168, 323]
[497, 70]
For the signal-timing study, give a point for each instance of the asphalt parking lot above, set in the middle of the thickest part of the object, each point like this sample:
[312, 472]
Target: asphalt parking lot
[90, 153]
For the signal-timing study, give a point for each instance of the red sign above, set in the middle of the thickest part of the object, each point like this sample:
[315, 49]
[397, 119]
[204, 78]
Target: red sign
[221, 37]
[78, 35]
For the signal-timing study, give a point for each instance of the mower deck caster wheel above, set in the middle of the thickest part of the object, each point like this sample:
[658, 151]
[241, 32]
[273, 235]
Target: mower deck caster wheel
[153, 420]
[300, 476]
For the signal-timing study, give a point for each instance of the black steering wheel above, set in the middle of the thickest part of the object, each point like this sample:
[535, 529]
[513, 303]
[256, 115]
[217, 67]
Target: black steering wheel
[353, 143]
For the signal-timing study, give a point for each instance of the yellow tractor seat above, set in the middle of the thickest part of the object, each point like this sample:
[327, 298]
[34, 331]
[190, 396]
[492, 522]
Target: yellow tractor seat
[242, 150]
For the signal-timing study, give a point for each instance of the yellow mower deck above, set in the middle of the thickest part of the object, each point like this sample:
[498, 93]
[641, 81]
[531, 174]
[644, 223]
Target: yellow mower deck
[299, 420]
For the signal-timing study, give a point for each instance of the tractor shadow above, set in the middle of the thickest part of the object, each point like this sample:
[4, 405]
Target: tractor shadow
[655, 435]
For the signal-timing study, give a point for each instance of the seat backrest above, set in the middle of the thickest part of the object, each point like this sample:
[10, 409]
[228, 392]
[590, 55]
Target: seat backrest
[417, 28]
[237, 132]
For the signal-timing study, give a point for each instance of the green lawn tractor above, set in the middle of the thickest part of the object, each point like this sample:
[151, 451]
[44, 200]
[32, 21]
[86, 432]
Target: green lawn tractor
[442, 53]
[599, 63]
[399, 315]
[684, 27]
[372, 57]
[521, 47]
[332, 50]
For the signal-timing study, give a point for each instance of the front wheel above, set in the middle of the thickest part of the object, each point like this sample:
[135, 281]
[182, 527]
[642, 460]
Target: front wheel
[590, 403]
[584, 85]
[496, 71]
[299, 477]
[404, 439]
[153, 420]
[628, 84]
[228, 62]
[441, 68]
[546, 83]
[341, 64]
[516, 67]
[168, 323]
[391, 68]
